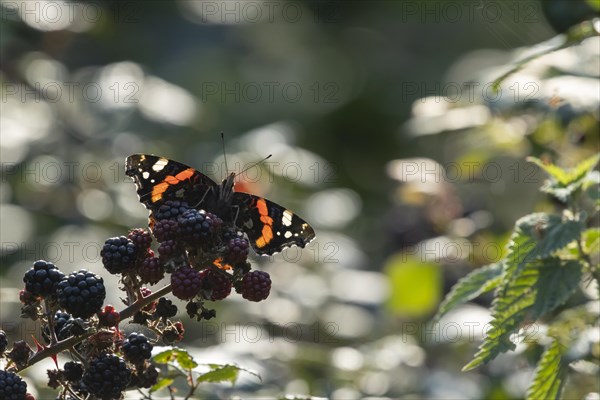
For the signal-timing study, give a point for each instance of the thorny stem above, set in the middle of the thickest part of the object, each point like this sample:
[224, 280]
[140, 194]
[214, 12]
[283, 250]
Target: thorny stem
[72, 341]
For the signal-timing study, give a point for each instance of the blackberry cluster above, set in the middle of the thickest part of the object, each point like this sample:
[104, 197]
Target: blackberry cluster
[171, 209]
[237, 250]
[217, 285]
[107, 376]
[166, 229]
[109, 316]
[186, 282]
[42, 279]
[73, 371]
[119, 254]
[141, 238]
[255, 286]
[137, 348]
[151, 271]
[12, 387]
[81, 293]
[197, 226]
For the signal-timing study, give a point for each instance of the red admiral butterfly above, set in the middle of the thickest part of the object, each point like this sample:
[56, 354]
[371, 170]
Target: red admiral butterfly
[269, 226]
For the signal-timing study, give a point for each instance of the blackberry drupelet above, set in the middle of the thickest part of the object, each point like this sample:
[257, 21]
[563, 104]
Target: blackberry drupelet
[255, 285]
[171, 209]
[12, 387]
[73, 371]
[217, 284]
[119, 254]
[186, 283]
[42, 279]
[166, 229]
[137, 348]
[107, 376]
[151, 271]
[196, 226]
[141, 238]
[81, 293]
[237, 250]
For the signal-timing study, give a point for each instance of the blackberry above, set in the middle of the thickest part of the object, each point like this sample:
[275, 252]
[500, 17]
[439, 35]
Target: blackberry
[118, 254]
[141, 238]
[196, 226]
[217, 284]
[146, 378]
[42, 279]
[151, 271]
[145, 293]
[107, 376]
[255, 286]
[73, 371]
[173, 333]
[168, 249]
[186, 282]
[237, 250]
[19, 354]
[27, 298]
[81, 293]
[137, 348]
[166, 229]
[12, 387]
[165, 308]
[109, 316]
[3, 342]
[60, 321]
[171, 209]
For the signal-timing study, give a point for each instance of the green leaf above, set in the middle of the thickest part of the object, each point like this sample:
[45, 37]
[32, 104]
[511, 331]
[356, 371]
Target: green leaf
[476, 283]
[182, 357]
[164, 356]
[220, 373]
[550, 374]
[538, 288]
[164, 382]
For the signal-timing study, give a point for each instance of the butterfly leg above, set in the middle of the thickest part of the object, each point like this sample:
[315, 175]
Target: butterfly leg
[203, 197]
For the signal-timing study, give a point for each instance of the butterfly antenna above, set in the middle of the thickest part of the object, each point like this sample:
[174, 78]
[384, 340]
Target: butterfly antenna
[255, 164]
[224, 153]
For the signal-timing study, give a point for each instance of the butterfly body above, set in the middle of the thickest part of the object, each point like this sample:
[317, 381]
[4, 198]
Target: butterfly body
[270, 227]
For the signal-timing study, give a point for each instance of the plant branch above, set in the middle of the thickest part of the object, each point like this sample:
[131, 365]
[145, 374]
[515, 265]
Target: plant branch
[143, 302]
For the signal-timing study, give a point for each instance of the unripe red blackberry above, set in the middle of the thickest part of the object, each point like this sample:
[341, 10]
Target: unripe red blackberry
[73, 371]
[171, 209]
[217, 284]
[42, 279]
[141, 238]
[255, 285]
[166, 229]
[119, 254]
[107, 376]
[136, 348]
[186, 283]
[12, 387]
[81, 293]
[109, 316]
[27, 298]
[151, 271]
[237, 250]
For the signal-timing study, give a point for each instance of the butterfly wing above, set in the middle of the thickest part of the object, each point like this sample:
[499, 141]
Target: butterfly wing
[158, 179]
[269, 226]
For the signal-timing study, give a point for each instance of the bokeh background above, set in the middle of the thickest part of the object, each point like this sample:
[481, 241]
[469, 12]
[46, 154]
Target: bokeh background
[387, 135]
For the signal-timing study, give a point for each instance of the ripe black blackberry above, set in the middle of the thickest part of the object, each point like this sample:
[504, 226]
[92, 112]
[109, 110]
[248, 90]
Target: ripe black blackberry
[119, 254]
[12, 387]
[197, 226]
[151, 271]
[255, 286]
[137, 348]
[166, 229]
[165, 308]
[107, 376]
[237, 250]
[73, 371]
[81, 293]
[171, 209]
[141, 238]
[186, 283]
[109, 316]
[60, 321]
[218, 285]
[3, 342]
[168, 249]
[42, 279]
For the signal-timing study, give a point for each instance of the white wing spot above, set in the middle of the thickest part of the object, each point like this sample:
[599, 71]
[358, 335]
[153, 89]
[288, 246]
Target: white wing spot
[287, 218]
[145, 174]
[288, 234]
[160, 164]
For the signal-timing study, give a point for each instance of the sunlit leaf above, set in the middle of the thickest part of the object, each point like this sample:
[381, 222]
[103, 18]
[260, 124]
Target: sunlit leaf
[476, 283]
[416, 286]
[220, 373]
[550, 374]
[182, 357]
[164, 382]
[164, 356]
